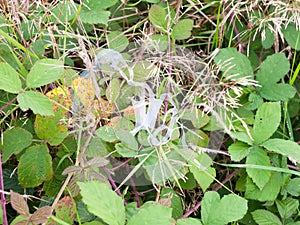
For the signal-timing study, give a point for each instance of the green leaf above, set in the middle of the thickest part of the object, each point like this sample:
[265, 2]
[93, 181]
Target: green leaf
[267, 120]
[233, 64]
[188, 221]
[182, 30]
[238, 151]
[97, 147]
[143, 70]
[203, 173]
[272, 69]
[127, 139]
[162, 164]
[35, 166]
[152, 1]
[151, 214]
[14, 141]
[210, 202]
[117, 41]
[35, 101]
[198, 118]
[287, 207]
[219, 212]
[268, 193]
[107, 134]
[254, 100]
[293, 187]
[277, 92]
[176, 204]
[44, 72]
[258, 156]
[125, 151]
[65, 210]
[292, 36]
[264, 217]
[113, 90]
[243, 136]
[93, 11]
[189, 183]
[103, 202]
[10, 80]
[50, 129]
[158, 17]
[268, 41]
[284, 147]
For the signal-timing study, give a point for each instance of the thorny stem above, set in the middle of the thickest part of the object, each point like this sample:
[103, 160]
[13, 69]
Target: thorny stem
[3, 201]
[8, 104]
[113, 183]
[198, 204]
[136, 194]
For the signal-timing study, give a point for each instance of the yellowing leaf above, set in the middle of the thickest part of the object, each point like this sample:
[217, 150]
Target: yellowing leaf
[84, 91]
[62, 96]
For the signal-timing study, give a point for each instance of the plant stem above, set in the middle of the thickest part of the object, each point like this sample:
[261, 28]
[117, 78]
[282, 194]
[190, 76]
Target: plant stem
[136, 194]
[3, 201]
[198, 204]
[113, 183]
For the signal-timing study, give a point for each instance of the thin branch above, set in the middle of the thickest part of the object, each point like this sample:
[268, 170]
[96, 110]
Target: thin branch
[3, 201]
[198, 204]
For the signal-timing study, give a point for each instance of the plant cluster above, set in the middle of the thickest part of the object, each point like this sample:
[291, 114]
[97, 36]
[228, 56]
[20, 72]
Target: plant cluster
[149, 112]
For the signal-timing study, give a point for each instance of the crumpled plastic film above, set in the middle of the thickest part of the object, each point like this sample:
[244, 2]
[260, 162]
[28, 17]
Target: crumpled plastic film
[147, 107]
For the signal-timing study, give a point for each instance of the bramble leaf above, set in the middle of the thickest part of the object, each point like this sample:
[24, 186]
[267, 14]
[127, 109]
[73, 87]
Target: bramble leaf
[10, 80]
[35, 166]
[272, 69]
[151, 214]
[44, 72]
[238, 151]
[103, 202]
[14, 141]
[233, 64]
[182, 30]
[284, 147]
[232, 208]
[264, 217]
[93, 11]
[35, 101]
[267, 120]
[158, 17]
[258, 156]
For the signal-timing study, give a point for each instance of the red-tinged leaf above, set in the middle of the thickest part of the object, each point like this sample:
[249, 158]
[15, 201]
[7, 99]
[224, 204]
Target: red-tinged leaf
[22, 222]
[19, 204]
[66, 210]
[41, 215]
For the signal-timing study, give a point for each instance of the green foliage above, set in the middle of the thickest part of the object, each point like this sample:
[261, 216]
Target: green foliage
[35, 101]
[14, 141]
[103, 202]
[232, 208]
[266, 121]
[10, 80]
[93, 11]
[202, 171]
[258, 156]
[35, 166]
[72, 123]
[151, 214]
[233, 64]
[44, 72]
[182, 29]
[264, 217]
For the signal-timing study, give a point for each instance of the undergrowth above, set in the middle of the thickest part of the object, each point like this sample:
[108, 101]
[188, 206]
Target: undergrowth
[149, 112]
